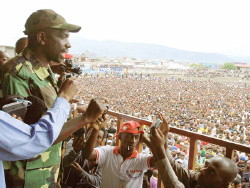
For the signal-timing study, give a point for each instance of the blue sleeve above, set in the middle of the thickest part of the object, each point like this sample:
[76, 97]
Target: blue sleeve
[21, 141]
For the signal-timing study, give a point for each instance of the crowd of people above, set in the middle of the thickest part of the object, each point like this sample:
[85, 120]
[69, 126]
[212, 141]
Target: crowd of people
[91, 158]
[213, 73]
[210, 108]
[219, 110]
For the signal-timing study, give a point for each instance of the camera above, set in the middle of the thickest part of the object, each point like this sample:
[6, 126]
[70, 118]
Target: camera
[70, 68]
[68, 63]
[18, 107]
[68, 75]
[157, 123]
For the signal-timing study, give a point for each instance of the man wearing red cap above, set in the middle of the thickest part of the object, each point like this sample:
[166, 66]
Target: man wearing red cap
[122, 165]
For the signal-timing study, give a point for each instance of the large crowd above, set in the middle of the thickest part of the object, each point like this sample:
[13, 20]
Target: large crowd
[45, 143]
[216, 109]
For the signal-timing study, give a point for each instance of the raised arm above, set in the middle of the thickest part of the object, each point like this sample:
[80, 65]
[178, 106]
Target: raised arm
[75, 152]
[21, 141]
[94, 110]
[172, 173]
[88, 151]
[164, 128]
[91, 179]
[165, 170]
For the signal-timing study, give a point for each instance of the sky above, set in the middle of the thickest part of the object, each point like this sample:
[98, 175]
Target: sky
[219, 26]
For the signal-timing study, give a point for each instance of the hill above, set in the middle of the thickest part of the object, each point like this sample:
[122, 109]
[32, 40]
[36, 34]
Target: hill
[153, 51]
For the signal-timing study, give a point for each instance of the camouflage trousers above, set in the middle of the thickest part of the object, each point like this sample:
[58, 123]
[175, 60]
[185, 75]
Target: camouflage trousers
[34, 178]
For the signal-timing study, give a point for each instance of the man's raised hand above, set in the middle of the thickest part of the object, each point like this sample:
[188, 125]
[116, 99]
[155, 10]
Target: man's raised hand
[100, 122]
[164, 126]
[95, 109]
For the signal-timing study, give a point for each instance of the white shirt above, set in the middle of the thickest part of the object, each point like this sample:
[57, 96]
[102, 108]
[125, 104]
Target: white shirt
[118, 173]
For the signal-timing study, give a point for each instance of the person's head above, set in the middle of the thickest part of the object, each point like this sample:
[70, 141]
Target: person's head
[248, 163]
[109, 142]
[237, 182]
[217, 172]
[246, 132]
[242, 160]
[100, 137]
[236, 185]
[129, 135]
[3, 57]
[241, 128]
[48, 34]
[241, 167]
[182, 155]
[21, 44]
[110, 136]
[170, 136]
[220, 135]
[180, 161]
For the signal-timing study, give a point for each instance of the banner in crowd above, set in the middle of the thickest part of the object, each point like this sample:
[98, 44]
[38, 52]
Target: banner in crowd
[101, 69]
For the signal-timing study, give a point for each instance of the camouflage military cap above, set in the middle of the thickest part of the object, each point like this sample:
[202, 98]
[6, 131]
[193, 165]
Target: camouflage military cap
[47, 18]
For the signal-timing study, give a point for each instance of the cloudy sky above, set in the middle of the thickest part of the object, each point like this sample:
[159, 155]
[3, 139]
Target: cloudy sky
[221, 26]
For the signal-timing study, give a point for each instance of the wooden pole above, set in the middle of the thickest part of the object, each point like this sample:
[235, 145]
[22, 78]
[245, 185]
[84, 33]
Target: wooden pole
[192, 153]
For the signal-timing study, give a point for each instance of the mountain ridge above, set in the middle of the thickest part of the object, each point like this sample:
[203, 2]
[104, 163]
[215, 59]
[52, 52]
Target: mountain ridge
[111, 48]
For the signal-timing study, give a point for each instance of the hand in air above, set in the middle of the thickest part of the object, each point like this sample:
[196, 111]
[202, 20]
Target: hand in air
[164, 126]
[95, 109]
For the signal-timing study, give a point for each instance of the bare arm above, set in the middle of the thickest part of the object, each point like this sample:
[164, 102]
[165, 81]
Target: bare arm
[75, 153]
[88, 151]
[172, 173]
[94, 110]
[164, 127]
[166, 172]
[70, 127]
[168, 175]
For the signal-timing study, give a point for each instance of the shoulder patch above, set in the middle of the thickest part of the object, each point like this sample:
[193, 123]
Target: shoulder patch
[19, 66]
[23, 71]
[10, 66]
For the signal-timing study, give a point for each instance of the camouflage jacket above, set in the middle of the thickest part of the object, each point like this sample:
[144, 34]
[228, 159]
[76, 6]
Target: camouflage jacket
[24, 75]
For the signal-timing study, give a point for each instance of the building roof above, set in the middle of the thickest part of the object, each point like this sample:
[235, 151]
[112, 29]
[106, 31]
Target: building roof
[242, 65]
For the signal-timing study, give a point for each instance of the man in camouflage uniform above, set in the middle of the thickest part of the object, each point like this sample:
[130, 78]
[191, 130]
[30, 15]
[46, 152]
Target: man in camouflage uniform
[29, 74]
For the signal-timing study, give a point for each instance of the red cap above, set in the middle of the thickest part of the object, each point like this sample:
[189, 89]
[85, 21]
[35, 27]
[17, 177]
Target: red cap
[67, 56]
[130, 127]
